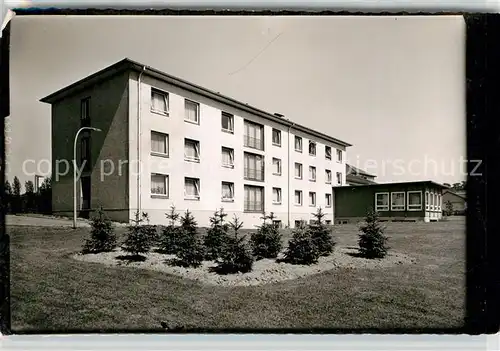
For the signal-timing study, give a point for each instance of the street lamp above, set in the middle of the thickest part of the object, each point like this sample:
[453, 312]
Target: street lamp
[74, 169]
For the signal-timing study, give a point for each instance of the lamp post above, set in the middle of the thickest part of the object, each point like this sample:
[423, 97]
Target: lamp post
[74, 169]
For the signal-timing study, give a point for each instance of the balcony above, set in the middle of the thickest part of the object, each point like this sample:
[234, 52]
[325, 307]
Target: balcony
[254, 143]
[253, 206]
[254, 174]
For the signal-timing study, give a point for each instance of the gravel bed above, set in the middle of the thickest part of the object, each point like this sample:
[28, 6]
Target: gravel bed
[264, 271]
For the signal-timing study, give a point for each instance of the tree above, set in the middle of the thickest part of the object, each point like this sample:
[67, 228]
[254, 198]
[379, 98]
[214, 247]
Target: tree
[267, 241]
[190, 252]
[372, 242]
[321, 234]
[16, 196]
[448, 208]
[102, 236]
[138, 240]
[8, 197]
[301, 248]
[29, 196]
[44, 196]
[216, 236]
[236, 256]
[171, 235]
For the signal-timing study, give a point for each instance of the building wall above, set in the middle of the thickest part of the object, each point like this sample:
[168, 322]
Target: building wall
[209, 170]
[457, 201]
[354, 202]
[108, 111]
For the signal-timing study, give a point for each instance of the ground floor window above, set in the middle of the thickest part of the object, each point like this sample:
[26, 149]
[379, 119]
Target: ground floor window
[414, 200]
[398, 201]
[381, 202]
[254, 198]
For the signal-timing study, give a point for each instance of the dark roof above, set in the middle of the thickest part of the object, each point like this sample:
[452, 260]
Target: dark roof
[460, 195]
[127, 64]
[357, 171]
[351, 178]
[396, 183]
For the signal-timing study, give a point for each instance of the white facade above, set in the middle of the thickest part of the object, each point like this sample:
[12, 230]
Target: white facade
[209, 170]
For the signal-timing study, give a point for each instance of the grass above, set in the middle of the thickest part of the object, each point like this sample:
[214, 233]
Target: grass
[50, 292]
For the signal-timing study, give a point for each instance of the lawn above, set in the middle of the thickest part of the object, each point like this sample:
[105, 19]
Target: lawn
[52, 292]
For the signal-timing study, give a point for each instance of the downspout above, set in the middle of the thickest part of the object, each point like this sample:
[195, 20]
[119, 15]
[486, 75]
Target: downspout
[139, 134]
[288, 178]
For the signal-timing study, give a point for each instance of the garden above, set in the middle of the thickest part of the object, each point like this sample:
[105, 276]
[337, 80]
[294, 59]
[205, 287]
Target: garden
[223, 255]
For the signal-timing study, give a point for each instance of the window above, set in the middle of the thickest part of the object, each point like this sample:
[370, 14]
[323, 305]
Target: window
[192, 111]
[339, 178]
[253, 135]
[227, 157]
[398, 201]
[191, 188]
[159, 184]
[432, 201]
[339, 156]
[276, 166]
[298, 197]
[276, 137]
[159, 143]
[439, 202]
[191, 150]
[159, 102]
[381, 202]
[328, 152]
[300, 223]
[227, 191]
[427, 200]
[277, 196]
[254, 199]
[312, 173]
[414, 200]
[253, 166]
[298, 170]
[312, 148]
[312, 199]
[85, 149]
[328, 176]
[298, 144]
[85, 111]
[278, 223]
[328, 200]
[227, 121]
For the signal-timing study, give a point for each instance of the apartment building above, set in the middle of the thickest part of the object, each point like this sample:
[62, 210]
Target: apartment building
[166, 142]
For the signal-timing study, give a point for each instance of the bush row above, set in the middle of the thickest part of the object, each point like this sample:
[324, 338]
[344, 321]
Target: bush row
[223, 243]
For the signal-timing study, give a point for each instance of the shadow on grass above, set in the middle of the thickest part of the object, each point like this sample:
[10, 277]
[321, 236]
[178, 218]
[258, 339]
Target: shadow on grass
[131, 258]
[222, 269]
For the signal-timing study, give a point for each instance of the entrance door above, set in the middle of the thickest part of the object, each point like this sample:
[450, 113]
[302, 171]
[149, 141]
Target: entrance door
[85, 209]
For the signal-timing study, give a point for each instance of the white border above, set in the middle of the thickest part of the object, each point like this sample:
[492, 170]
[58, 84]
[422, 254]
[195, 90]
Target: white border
[388, 202]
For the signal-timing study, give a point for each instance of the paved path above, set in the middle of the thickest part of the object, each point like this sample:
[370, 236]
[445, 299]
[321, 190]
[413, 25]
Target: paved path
[42, 221]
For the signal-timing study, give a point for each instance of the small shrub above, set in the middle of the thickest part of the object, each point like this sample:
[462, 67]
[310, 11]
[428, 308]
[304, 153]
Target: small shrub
[171, 234]
[102, 236]
[138, 240]
[302, 248]
[448, 208]
[190, 249]
[267, 241]
[236, 256]
[151, 231]
[321, 234]
[372, 242]
[216, 236]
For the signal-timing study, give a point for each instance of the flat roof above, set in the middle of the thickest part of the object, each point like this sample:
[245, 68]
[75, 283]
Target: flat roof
[127, 64]
[395, 183]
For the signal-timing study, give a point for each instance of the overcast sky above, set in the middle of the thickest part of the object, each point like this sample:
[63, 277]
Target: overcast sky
[392, 87]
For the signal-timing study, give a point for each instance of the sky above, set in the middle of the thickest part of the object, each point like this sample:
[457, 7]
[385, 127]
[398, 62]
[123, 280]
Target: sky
[394, 87]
